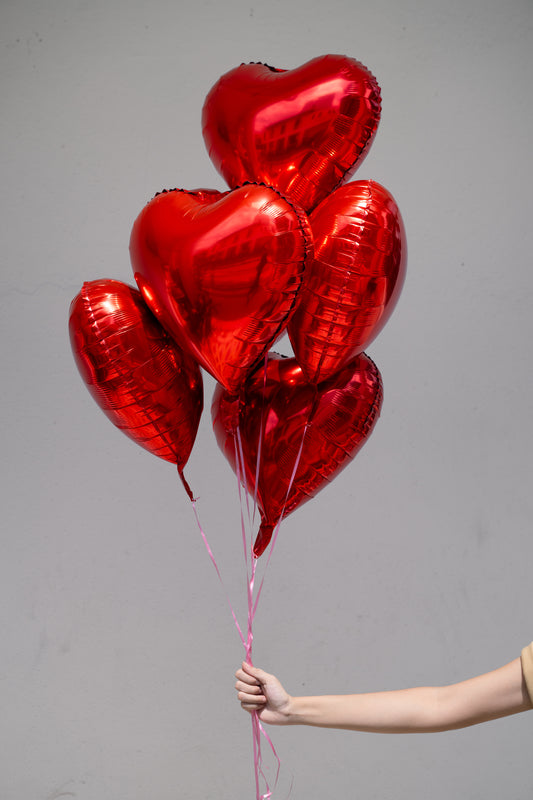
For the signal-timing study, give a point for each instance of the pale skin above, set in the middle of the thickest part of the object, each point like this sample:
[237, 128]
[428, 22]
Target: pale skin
[419, 710]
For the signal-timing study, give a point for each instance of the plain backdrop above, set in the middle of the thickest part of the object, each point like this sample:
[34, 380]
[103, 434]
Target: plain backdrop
[414, 567]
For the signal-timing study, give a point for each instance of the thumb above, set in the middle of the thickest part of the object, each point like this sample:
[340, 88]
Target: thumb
[259, 674]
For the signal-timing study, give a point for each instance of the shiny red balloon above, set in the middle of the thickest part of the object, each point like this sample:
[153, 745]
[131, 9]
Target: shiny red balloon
[302, 131]
[353, 282]
[271, 414]
[221, 272]
[141, 380]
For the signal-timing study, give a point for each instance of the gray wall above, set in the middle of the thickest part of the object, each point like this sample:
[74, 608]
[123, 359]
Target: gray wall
[118, 648]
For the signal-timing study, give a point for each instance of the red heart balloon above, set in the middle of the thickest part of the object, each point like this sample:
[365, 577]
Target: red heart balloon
[141, 380]
[221, 272]
[271, 414]
[301, 130]
[353, 282]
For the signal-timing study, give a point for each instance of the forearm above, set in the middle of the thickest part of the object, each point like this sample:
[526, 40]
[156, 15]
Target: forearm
[419, 710]
[404, 711]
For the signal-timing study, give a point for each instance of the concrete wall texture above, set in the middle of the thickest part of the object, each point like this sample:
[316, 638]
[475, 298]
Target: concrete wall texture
[413, 567]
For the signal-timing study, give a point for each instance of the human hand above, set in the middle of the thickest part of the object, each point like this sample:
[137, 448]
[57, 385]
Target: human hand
[261, 692]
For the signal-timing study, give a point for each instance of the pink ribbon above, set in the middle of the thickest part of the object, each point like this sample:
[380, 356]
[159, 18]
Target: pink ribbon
[253, 596]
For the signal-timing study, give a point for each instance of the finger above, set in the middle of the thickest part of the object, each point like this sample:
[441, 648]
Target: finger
[245, 678]
[254, 672]
[251, 706]
[252, 699]
[241, 686]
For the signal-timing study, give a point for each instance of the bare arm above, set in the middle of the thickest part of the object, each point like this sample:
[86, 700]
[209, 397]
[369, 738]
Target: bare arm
[420, 710]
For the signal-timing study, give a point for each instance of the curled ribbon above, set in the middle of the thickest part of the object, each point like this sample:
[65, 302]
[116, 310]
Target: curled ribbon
[253, 596]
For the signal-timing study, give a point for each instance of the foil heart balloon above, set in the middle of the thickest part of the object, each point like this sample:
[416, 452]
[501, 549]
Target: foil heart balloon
[302, 131]
[221, 272]
[353, 282]
[141, 380]
[274, 410]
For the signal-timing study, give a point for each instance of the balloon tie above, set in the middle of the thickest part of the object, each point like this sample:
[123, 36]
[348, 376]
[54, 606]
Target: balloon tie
[186, 485]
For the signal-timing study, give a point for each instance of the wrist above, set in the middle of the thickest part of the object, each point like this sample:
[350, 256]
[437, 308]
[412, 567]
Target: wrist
[295, 711]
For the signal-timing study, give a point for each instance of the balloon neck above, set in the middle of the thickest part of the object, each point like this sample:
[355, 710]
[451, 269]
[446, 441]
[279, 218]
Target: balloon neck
[263, 538]
[186, 485]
